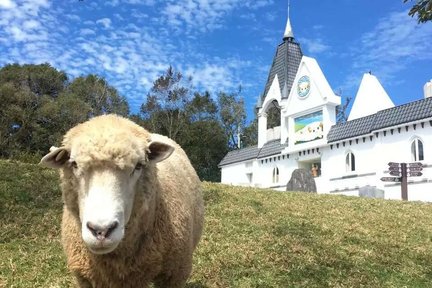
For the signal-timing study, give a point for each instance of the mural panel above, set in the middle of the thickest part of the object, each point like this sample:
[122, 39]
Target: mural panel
[309, 127]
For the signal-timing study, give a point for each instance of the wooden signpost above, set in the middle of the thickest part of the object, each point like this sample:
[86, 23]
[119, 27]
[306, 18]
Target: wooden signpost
[403, 171]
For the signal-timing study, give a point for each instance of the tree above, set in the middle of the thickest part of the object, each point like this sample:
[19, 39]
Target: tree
[341, 111]
[38, 105]
[102, 98]
[250, 134]
[204, 139]
[232, 116]
[165, 107]
[24, 90]
[423, 10]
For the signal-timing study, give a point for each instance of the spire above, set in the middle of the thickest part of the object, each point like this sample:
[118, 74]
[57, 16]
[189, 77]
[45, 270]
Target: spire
[288, 30]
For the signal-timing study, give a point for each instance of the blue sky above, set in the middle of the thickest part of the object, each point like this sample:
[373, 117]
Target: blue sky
[220, 43]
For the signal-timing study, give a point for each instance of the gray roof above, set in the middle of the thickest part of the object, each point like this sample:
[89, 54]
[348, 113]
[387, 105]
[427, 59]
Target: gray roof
[271, 148]
[394, 116]
[285, 64]
[253, 152]
[240, 155]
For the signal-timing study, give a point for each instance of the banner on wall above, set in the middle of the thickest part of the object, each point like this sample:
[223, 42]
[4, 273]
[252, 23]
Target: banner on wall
[309, 127]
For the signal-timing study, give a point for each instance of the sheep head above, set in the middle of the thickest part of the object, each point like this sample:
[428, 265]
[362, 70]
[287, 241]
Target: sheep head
[104, 165]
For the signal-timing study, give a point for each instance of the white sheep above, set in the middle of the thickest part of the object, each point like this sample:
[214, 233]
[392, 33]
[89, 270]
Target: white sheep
[133, 209]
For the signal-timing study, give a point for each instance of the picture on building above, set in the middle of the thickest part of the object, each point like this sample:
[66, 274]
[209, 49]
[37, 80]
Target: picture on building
[308, 127]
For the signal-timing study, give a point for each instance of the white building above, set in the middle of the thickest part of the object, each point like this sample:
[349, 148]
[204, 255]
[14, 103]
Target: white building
[349, 155]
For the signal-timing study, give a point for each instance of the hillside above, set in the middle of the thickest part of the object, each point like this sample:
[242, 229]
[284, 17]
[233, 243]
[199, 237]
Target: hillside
[253, 238]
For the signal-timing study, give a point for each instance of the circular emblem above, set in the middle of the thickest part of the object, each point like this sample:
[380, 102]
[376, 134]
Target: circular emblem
[303, 86]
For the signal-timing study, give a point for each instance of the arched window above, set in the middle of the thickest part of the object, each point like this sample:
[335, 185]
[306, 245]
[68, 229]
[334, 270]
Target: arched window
[276, 175]
[350, 162]
[417, 150]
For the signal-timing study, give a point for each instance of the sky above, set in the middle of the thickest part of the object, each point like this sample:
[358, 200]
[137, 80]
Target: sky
[221, 44]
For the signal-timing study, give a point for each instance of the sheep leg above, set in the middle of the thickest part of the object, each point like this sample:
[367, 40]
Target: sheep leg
[175, 278]
[82, 282]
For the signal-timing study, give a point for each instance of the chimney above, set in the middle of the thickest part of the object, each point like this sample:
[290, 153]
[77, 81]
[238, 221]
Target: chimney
[427, 88]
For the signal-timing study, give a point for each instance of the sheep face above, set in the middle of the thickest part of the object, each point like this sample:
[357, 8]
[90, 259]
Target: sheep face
[104, 187]
[105, 198]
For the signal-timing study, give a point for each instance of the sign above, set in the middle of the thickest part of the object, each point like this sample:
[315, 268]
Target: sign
[418, 169]
[415, 174]
[415, 164]
[393, 164]
[394, 168]
[391, 179]
[395, 173]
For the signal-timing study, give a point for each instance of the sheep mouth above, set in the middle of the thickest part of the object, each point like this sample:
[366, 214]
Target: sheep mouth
[99, 250]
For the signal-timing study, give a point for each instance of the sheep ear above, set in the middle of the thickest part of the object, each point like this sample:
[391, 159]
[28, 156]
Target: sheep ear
[159, 151]
[56, 158]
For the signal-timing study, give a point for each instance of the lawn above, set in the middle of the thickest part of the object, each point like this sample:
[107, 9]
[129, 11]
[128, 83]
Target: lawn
[252, 238]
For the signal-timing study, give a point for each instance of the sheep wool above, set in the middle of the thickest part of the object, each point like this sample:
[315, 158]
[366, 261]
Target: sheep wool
[159, 230]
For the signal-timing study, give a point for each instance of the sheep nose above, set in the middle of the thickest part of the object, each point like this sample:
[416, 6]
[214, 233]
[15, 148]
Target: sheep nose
[102, 232]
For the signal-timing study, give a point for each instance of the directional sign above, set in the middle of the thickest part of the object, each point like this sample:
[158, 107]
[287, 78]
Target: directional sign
[395, 173]
[415, 174]
[394, 168]
[415, 164]
[391, 179]
[393, 164]
[417, 169]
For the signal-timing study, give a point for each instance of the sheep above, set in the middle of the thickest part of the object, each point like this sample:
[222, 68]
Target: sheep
[133, 209]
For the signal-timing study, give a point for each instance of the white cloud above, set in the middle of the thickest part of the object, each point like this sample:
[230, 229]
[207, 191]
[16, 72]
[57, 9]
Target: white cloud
[396, 42]
[106, 22]
[205, 15]
[7, 4]
[315, 45]
[87, 31]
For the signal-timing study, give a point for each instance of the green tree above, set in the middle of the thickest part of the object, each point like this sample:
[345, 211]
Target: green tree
[423, 10]
[24, 90]
[204, 139]
[102, 98]
[232, 116]
[165, 109]
[250, 134]
[38, 105]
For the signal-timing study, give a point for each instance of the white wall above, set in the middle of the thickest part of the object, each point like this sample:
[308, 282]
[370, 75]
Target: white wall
[371, 156]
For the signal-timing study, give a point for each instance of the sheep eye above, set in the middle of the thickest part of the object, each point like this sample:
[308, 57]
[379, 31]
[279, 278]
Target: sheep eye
[74, 165]
[138, 166]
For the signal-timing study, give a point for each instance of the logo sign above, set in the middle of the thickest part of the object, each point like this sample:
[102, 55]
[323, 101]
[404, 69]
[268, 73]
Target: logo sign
[415, 164]
[393, 164]
[417, 169]
[395, 173]
[415, 174]
[391, 179]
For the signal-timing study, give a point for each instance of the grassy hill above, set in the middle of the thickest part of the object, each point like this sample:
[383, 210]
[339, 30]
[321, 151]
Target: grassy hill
[253, 238]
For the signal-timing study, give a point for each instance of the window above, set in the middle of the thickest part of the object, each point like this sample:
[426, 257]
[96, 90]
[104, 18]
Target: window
[417, 150]
[276, 175]
[350, 162]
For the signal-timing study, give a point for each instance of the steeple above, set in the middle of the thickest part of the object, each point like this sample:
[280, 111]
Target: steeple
[288, 35]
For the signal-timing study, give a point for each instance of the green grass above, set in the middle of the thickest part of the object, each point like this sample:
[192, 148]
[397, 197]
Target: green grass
[252, 238]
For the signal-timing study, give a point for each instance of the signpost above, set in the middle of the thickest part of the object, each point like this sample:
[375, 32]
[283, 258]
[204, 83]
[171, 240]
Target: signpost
[391, 179]
[404, 170]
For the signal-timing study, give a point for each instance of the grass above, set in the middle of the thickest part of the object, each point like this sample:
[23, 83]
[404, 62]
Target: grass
[252, 238]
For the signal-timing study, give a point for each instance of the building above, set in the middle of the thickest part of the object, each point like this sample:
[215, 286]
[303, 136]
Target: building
[344, 157]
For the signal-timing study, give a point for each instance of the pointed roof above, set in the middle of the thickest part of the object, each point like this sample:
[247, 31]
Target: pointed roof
[285, 63]
[288, 30]
[371, 98]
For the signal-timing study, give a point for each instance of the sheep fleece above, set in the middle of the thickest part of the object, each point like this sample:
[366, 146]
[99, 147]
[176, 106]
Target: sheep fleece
[167, 215]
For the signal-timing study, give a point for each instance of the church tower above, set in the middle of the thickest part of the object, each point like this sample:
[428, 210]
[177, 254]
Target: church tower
[279, 83]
